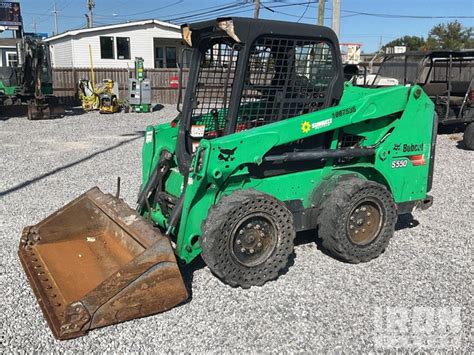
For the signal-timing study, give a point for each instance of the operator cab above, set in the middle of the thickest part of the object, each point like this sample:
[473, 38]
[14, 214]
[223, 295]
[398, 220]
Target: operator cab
[247, 73]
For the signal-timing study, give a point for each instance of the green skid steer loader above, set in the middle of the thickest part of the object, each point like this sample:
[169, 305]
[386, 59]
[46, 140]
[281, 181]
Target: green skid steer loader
[269, 141]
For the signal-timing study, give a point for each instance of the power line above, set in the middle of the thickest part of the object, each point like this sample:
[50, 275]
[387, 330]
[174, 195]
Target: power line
[206, 8]
[251, 9]
[237, 8]
[214, 12]
[382, 15]
[404, 16]
[241, 11]
[306, 17]
[67, 4]
[152, 10]
[304, 12]
[216, 7]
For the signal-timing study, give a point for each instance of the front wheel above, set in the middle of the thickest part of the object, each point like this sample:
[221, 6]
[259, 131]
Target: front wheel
[247, 238]
[357, 220]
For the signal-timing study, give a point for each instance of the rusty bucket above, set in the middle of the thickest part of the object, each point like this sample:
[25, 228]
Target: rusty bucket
[96, 262]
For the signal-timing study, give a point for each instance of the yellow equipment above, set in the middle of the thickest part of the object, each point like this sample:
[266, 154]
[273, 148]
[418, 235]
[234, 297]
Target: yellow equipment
[108, 102]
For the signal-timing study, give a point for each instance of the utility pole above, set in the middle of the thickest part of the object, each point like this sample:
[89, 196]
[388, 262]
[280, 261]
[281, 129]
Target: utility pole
[55, 13]
[321, 4]
[257, 9]
[336, 16]
[34, 24]
[90, 19]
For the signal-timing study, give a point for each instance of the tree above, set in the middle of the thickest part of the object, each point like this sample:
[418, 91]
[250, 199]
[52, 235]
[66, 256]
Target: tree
[450, 36]
[412, 43]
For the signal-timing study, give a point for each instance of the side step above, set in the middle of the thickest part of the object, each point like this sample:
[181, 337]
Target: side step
[95, 262]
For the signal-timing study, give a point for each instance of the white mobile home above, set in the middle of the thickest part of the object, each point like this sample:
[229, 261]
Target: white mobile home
[8, 52]
[116, 46]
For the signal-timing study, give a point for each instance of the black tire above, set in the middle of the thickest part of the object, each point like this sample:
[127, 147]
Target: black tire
[468, 138]
[247, 238]
[357, 220]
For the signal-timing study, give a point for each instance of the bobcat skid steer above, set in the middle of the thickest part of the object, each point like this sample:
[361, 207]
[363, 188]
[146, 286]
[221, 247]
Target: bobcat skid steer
[269, 141]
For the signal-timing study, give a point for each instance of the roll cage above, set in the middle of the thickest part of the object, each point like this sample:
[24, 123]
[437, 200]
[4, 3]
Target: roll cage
[246, 73]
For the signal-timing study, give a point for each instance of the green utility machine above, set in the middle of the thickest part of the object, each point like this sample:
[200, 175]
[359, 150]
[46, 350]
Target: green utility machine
[139, 89]
[269, 141]
[27, 90]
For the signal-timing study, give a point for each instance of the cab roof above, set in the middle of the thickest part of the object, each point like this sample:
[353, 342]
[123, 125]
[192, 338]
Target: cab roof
[248, 29]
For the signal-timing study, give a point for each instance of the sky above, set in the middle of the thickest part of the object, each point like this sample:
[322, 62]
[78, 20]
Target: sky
[387, 20]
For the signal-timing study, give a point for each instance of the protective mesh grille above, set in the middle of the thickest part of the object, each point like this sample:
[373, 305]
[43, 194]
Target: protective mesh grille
[213, 91]
[284, 78]
[350, 141]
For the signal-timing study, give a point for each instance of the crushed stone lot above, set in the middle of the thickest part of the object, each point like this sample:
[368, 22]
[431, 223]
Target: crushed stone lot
[417, 295]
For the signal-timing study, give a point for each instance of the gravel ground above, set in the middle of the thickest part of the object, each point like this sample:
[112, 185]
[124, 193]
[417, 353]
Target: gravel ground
[320, 304]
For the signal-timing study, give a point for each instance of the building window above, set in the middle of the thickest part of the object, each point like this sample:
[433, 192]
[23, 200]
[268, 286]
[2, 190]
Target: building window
[107, 48]
[123, 48]
[171, 60]
[159, 57]
[12, 59]
[165, 57]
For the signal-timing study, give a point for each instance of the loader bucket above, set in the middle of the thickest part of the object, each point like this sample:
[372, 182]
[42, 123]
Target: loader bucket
[96, 262]
[45, 111]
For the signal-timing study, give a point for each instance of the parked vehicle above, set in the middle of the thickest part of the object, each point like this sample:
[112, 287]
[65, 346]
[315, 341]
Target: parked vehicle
[28, 89]
[270, 140]
[447, 78]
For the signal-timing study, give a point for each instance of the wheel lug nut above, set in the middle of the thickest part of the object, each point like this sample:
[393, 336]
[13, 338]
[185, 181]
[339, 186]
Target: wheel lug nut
[243, 250]
[252, 251]
[363, 230]
[249, 225]
[356, 231]
[351, 227]
[238, 242]
[259, 245]
[368, 223]
[241, 232]
[257, 226]
[352, 218]
[368, 214]
[357, 210]
[363, 209]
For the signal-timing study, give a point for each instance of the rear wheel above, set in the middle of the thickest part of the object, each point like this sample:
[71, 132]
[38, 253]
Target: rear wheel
[247, 238]
[357, 220]
[468, 138]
